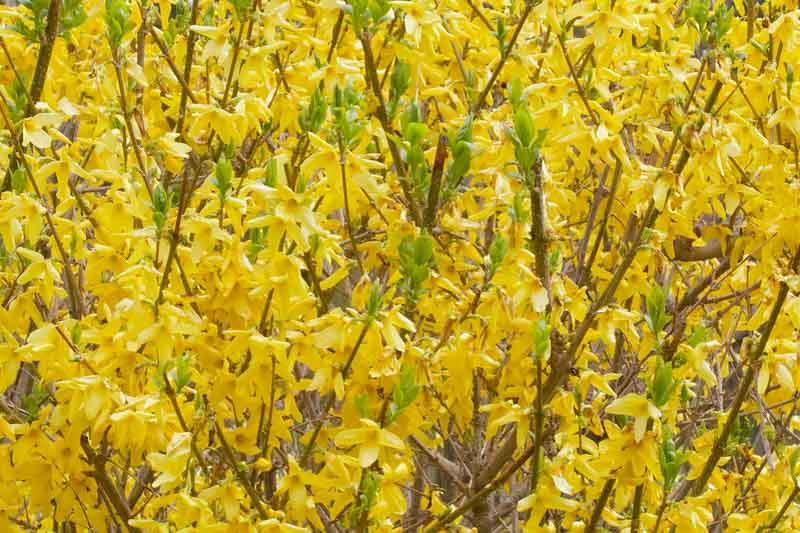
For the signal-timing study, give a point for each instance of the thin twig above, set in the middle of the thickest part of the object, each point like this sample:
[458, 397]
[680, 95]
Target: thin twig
[503, 58]
[76, 307]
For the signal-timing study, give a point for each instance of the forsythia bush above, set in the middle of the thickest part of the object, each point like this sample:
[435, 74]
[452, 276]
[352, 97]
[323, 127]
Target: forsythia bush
[392, 265]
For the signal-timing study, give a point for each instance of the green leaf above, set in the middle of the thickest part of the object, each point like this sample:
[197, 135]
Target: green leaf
[423, 250]
[497, 251]
[223, 174]
[662, 386]
[523, 126]
[374, 302]
[183, 372]
[117, 21]
[362, 404]
[19, 180]
[313, 116]
[75, 333]
[271, 172]
[541, 338]
[657, 316]
[515, 93]
[72, 16]
[403, 394]
[699, 335]
[415, 133]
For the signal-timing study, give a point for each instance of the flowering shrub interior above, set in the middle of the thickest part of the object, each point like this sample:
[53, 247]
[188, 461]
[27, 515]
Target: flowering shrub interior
[385, 265]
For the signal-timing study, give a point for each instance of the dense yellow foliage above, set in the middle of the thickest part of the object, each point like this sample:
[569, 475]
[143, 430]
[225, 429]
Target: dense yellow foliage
[387, 265]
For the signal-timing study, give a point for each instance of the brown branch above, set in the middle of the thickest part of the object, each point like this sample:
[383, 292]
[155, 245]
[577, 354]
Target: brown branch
[176, 234]
[480, 15]
[137, 150]
[243, 479]
[337, 28]
[115, 499]
[332, 396]
[684, 251]
[173, 400]
[538, 225]
[789, 501]
[476, 498]
[574, 74]
[599, 505]
[187, 67]
[583, 244]
[165, 52]
[436, 182]
[347, 218]
[698, 485]
[478, 105]
[237, 46]
[371, 74]
[45, 53]
[445, 465]
[76, 307]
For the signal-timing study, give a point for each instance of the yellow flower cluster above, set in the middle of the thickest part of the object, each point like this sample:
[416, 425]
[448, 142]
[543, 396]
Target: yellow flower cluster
[379, 265]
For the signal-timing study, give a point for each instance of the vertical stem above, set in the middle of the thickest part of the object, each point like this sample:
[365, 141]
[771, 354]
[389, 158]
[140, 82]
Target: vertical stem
[45, 53]
[371, 74]
[637, 496]
[176, 234]
[332, 396]
[538, 225]
[187, 67]
[126, 113]
[237, 46]
[337, 28]
[699, 484]
[243, 479]
[436, 182]
[599, 505]
[503, 59]
[789, 501]
[347, 219]
[538, 429]
[173, 400]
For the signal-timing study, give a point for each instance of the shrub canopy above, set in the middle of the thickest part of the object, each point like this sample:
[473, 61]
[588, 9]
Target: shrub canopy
[399, 265]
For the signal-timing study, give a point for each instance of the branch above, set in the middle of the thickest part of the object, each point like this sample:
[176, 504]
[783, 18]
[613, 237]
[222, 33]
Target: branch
[371, 74]
[137, 150]
[599, 505]
[174, 402]
[76, 307]
[684, 251]
[332, 396]
[584, 269]
[245, 481]
[45, 53]
[187, 67]
[538, 226]
[446, 518]
[117, 501]
[176, 234]
[478, 105]
[789, 501]
[347, 219]
[165, 52]
[581, 90]
[698, 485]
[436, 182]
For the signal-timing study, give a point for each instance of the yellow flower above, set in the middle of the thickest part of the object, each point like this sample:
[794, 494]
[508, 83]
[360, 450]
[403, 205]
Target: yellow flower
[369, 440]
[638, 407]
